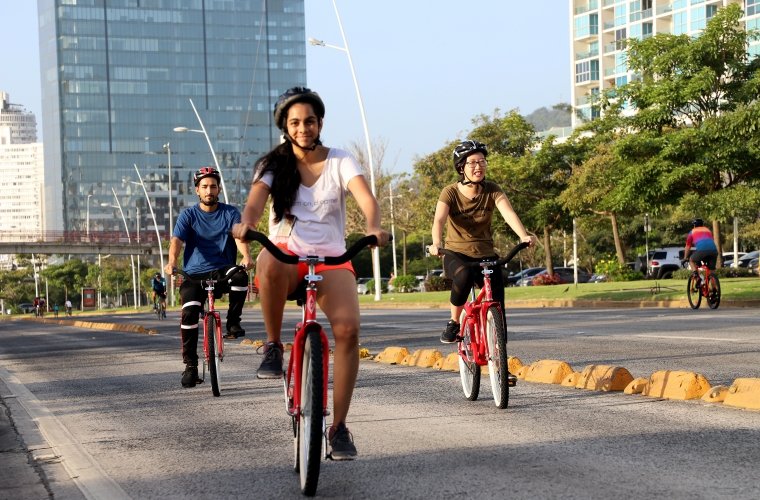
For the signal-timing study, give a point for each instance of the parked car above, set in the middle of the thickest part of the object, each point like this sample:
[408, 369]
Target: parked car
[26, 307]
[728, 258]
[664, 261]
[528, 272]
[566, 275]
[361, 285]
[744, 260]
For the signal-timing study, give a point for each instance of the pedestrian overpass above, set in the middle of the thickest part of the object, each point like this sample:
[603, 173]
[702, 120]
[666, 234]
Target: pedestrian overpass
[76, 242]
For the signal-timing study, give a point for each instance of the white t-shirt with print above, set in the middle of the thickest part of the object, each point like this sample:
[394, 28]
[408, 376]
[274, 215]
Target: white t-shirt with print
[319, 211]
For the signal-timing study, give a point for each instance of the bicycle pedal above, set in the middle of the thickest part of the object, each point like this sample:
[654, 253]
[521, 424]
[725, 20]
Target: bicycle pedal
[511, 381]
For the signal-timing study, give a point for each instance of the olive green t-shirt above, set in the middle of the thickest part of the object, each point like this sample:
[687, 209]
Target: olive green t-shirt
[468, 228]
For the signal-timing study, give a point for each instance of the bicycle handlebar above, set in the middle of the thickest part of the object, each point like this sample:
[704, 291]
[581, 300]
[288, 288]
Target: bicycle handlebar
[350, 253]
[490, 263]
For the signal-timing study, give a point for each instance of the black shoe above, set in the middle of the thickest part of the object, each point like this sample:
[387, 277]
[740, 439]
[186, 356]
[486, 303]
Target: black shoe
[341, 443]
[449, 335]
[234, 332]
[271, 366]
[511, 379]
[190, 376]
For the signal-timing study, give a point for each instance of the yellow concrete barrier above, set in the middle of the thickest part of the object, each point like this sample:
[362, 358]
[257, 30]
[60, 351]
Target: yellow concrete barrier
[514, 364]
[674, 384]
[450, 363]
[744, 393]
[548, 371]
[715, 395]
[422, 357]
[636, 386]
[364, 353]
[571, 380]
[392, 355]
[604, 378]
[521, 372]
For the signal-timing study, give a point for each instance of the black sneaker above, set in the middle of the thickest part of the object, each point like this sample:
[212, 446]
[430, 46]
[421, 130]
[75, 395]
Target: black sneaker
[511, 379]
[271, 366]
[341, 443]
[449, 335]
[190, 376]
[234, 332]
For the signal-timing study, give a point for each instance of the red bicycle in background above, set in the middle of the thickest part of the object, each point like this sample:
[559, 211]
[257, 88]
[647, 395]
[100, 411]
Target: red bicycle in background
[703, 283]
[306, 379]
[482, 338]
[213, 342]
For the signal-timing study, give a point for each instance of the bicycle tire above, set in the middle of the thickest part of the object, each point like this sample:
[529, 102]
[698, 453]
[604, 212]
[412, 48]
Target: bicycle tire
[496, 338]
[713, 291]
[693, 292]
[311, 419]
[213, 355]
[469, 371]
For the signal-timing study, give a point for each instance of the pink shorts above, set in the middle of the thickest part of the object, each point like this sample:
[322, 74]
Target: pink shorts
[303, 268]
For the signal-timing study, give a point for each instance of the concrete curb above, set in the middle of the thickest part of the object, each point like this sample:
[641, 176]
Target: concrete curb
[96, 325]
[744, 393]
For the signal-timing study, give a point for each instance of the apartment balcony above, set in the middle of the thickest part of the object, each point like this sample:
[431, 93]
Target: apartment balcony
[664, 10]
[586, 54]
[642, 14]
[591, 5]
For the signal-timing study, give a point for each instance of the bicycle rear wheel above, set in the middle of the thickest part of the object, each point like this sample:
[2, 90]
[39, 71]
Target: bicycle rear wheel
[311, 420]
[469, 371]
[693, 292]
[214, 357]
[713, 291]
[496, 337]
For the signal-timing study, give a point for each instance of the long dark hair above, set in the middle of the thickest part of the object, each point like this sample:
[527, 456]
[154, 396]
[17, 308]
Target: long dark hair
[286, 179]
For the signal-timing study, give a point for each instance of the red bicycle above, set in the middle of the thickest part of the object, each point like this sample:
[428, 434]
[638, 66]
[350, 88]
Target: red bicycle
[482, 338]
[213, 342]
[703, 283]
[305, 381]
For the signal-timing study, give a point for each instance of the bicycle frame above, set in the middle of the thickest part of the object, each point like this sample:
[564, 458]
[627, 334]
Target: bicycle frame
[293, 376]
[477, 308]
[209, 287]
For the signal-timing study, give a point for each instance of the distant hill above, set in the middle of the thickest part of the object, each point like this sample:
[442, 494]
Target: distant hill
[560, 115]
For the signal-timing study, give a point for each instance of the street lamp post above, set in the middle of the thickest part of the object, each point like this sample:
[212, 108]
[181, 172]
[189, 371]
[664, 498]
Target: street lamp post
[155, 224]
[129, 241]
[210, 146]
[314, 41]
[168, 149]
[393, 231]
[88, 217]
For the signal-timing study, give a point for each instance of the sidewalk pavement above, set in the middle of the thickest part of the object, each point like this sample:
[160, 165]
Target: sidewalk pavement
[20, 477]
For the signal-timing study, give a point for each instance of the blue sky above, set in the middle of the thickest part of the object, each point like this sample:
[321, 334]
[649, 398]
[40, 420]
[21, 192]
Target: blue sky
[425, 69]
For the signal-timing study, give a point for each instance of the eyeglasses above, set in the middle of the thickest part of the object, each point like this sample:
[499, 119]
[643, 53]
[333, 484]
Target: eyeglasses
[472, 164]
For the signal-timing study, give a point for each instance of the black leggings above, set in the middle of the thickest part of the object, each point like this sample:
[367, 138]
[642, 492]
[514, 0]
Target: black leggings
[464, 277]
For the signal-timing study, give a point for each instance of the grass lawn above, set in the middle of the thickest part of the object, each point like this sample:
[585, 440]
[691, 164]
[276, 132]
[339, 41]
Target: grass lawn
[643, 290]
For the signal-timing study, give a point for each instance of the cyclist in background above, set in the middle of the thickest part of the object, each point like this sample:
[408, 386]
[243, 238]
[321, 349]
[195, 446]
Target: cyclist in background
[466, 207]
[308, 184]
[705, 250]
[204, 229]
[159, 290]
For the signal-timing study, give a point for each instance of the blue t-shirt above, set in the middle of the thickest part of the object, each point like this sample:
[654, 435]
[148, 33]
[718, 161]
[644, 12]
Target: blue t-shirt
[208, 244]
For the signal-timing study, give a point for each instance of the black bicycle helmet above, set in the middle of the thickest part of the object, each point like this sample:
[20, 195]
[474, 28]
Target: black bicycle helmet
[206, 172]
[465, 149]
[697, 222]
[292, 96]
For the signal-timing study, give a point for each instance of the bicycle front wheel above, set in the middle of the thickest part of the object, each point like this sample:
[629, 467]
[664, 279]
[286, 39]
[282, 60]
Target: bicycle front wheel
[496, 337]
[693, 292]
[311, 420]
[469, 370]
[713, 291]
[214, 355]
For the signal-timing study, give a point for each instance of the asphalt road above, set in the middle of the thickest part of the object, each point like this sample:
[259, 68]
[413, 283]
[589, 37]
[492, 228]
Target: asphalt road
[112, 412]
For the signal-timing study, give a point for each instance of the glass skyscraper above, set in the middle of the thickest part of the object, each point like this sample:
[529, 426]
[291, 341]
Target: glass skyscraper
[117, 79]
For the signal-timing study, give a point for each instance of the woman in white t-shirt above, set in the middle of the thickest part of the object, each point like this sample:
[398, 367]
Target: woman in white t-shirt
[308, 184]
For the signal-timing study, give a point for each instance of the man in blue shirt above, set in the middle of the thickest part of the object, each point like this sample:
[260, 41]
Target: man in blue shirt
[204, 229]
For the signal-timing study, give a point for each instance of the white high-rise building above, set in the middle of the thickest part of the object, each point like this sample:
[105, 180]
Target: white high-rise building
[21, 172]
[598, 29]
